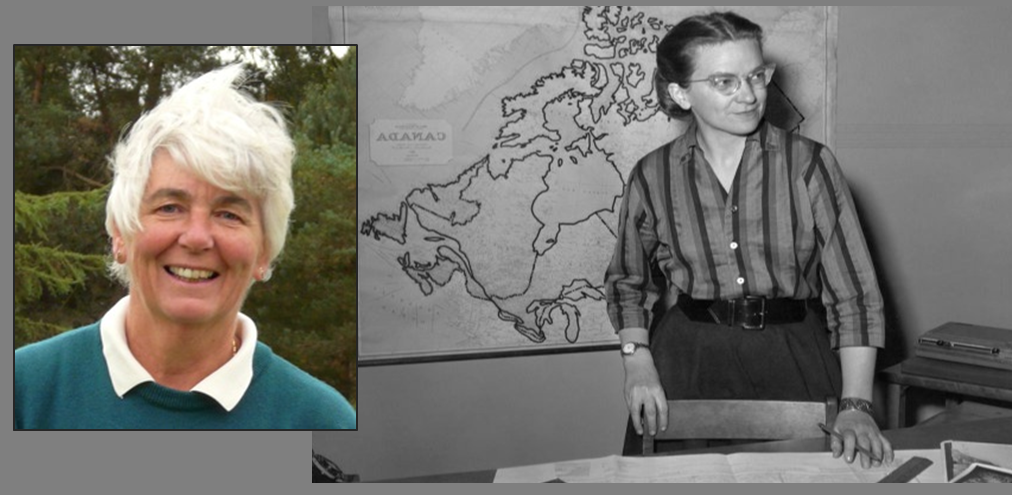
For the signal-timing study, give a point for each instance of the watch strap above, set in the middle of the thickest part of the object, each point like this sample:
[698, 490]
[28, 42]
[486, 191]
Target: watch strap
[635, 345]
[856, 404]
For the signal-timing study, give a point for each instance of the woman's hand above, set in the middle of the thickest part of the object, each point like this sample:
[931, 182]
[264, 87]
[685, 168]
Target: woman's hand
[859, 428]
[643, 393]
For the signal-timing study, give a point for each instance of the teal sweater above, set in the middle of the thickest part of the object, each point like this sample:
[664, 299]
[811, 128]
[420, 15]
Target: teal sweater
[63, 383]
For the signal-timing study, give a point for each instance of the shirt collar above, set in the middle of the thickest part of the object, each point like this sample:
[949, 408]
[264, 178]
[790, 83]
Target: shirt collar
[754, 137]
[226, 385]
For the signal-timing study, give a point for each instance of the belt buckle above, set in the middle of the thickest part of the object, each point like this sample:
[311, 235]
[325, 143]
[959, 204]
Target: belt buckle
[751, 319]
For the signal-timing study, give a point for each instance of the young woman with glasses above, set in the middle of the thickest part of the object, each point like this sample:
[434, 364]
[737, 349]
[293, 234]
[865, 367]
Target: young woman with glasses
[753, 231]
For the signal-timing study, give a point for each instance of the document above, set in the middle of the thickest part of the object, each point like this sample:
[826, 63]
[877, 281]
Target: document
[977, 462]
[787, 467]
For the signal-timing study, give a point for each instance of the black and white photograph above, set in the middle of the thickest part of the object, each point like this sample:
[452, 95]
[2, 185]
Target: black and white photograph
[591, 239]
[983, 473]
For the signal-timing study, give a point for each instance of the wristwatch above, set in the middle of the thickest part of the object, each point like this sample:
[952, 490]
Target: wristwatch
[857, 404]
[629, 348]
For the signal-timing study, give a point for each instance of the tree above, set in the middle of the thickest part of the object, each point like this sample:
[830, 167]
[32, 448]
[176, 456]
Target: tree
[307, 311]
[311, 300]
[328, 113]
[72, 103]
[44, 269]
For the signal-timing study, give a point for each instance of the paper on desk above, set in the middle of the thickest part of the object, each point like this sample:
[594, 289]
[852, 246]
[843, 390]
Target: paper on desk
[821, 467]
[958, 456]
[805, 467]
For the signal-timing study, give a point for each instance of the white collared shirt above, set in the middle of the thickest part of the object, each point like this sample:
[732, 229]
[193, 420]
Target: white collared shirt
[226, 385]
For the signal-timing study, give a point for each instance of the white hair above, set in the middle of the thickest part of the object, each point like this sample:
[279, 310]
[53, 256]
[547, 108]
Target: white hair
[221, 134]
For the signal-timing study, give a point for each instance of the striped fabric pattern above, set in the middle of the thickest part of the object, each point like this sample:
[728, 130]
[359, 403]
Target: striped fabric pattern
[786, 229]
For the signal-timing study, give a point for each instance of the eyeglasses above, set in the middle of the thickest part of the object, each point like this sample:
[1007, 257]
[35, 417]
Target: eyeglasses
[729, 84]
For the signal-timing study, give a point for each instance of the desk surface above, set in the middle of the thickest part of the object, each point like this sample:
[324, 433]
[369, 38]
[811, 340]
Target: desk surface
[959, 378]
[998, 430]
[951, 378]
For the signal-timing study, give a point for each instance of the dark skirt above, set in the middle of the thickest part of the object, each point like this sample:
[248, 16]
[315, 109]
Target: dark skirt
[709, 361]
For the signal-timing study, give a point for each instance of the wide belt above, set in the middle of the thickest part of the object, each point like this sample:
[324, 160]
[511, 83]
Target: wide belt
[749, 312]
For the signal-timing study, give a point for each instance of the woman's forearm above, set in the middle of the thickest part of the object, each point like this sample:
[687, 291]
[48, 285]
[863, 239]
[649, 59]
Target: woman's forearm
[858, 368]
[634, 334]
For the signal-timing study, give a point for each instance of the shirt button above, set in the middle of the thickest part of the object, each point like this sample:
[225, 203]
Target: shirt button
[740, 280]
[734, 245]
[734, 208]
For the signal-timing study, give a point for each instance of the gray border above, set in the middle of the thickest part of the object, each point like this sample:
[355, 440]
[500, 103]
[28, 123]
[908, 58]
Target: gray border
[321, 26]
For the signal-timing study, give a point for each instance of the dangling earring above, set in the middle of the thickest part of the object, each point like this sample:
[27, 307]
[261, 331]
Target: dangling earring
[264, 274]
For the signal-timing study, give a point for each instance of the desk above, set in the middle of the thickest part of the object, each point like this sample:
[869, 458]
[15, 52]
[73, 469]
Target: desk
[957, 382]
[998, 430]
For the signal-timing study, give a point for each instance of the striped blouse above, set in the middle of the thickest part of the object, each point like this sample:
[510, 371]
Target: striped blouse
[786, 229]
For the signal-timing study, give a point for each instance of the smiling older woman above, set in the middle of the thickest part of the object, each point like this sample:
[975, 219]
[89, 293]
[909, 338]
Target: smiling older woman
[197, 212]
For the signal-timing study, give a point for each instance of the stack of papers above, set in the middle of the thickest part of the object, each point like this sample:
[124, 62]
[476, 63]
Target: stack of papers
[787, 467]
[977, 462]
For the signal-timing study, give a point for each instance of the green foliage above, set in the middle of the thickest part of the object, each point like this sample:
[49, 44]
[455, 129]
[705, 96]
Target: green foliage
[28, 330]
[328, 113]
[72, 102]
[308, 308]
[44, 270]
[40, 126]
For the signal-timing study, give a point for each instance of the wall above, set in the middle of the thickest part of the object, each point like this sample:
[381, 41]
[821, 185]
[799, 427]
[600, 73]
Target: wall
[468, 415]
[924, 131]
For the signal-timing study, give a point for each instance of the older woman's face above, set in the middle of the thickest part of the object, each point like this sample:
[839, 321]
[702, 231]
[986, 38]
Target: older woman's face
[199, 249]
[737, 114]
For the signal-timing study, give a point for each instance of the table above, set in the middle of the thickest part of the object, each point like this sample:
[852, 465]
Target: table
[960, 380]
[995, 430]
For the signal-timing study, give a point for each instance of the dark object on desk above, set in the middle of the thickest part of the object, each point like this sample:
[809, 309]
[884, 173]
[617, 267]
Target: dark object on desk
[743, 420]
[325, 471]
[962, 372]
[908, 471]
[971, 344]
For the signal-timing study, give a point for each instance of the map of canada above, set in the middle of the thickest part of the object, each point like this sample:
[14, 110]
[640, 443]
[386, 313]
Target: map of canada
[546, 110]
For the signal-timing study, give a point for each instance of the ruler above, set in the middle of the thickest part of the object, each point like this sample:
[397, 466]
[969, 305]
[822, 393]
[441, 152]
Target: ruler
[908, 471]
